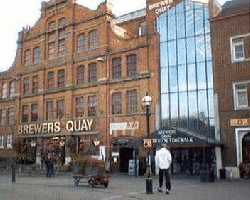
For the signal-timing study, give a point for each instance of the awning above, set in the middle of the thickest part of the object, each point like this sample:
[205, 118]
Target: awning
[183, 138]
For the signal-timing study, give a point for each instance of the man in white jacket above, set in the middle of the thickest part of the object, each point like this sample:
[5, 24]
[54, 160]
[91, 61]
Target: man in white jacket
[163, 160]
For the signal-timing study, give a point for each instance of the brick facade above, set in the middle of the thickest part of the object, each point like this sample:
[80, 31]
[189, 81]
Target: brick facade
[234, 20]
[113, 40]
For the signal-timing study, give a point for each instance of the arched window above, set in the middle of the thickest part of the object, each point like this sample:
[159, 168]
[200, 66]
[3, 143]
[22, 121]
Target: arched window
[81, 43]
[80, 74]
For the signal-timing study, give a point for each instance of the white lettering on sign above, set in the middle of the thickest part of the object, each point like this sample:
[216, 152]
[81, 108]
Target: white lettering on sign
[161, 6]
[55, 127]
[124, 126]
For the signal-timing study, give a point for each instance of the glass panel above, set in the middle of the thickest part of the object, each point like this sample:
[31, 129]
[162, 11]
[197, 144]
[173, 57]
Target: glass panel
[180, 25]
[198, 5]
[210, 74]
[201, 75]
[182, 77]
[181, 51]
[174, 109]
[211, 103]
[164, 80]
[189, 23]
[200, 48]
[162, 26]
[190, 50]
[165, 106]
[208, 47]
[172, 52]
[188, 5]
[192, 101]
[207, 24]
[199, 29]
[191, 77]
[173, 79]
[202, 99]
[183, 110]
[171, 26]
[180, 8]
[164, 54]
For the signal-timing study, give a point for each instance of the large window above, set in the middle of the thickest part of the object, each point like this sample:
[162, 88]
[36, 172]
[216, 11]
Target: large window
[51, 80]
[93, 39]
[1, 141]
[4, 90]
[35, 84]
[25, 113]
[12, 116]
[79, 108]
[116, 68]
[186, 68]
[26, 86]
[132, 65]
[49, 110]
[81, 43]
[237, 49]
[27, 57]
[80, 74]
[34, 112]
[61, 78]
[117, 103]
[92, 105]
[60, 109]
[92, 72]
[37, 55]
[12, 88]
[132, 101]
[4, 117]
[241, 96]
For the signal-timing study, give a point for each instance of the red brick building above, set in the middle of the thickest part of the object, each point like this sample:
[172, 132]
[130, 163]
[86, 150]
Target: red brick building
[79, 75]
[231, 50]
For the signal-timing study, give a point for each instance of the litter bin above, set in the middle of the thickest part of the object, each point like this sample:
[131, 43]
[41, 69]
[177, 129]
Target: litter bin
[223, 173]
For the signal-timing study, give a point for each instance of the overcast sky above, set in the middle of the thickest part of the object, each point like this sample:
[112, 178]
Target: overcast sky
[15, 14]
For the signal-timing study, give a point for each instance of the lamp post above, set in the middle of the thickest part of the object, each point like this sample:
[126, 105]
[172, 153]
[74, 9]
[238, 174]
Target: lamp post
[146, 102]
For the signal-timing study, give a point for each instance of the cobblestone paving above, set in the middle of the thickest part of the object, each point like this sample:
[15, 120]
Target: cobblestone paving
[121, 188]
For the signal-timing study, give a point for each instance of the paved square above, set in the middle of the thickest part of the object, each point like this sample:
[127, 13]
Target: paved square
[121, 188]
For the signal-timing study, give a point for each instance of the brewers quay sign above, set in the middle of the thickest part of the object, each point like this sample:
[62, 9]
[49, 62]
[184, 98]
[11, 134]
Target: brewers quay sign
[82, 125]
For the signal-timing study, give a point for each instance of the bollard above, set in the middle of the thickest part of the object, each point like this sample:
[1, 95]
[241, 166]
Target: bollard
[149, 186]
[13, 173]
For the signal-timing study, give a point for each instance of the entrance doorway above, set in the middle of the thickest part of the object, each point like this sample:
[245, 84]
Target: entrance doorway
[126, 154]
[246, 148]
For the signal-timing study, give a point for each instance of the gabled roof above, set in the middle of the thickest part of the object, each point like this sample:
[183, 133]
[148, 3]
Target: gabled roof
[234, 7]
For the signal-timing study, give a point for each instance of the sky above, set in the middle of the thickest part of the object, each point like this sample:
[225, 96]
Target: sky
[15, 14]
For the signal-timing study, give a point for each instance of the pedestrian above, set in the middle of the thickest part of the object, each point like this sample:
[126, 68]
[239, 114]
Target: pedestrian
[163, 161]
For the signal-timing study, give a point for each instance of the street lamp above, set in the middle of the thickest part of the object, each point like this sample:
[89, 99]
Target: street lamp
[146, 102]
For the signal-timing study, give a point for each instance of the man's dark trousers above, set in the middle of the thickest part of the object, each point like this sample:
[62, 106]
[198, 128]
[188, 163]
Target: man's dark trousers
[165, 172]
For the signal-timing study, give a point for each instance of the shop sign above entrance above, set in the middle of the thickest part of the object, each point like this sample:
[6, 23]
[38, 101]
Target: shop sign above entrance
[239, 122]
[83, 125]
[172, 137]
[124, 126]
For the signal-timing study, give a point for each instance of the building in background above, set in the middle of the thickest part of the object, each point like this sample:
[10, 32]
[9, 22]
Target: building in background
[186, 80]
[231, 50]
[78, 78]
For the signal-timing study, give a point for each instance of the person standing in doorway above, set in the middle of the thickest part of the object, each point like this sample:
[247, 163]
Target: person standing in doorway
[163, 161]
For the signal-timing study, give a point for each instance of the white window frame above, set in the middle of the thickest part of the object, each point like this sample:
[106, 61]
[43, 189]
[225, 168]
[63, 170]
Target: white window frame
[1, 142]
[235, 92]
[9, 141]
[233, 45]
